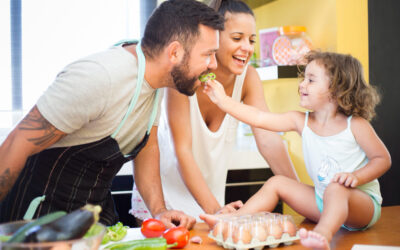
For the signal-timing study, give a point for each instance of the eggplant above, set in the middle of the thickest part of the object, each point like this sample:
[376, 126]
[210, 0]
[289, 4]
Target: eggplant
[70, 226]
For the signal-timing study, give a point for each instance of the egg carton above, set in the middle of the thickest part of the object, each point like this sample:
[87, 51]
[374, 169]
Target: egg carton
[271, 242]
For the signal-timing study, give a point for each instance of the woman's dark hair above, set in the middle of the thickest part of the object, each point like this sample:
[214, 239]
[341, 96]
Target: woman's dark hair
[178, 20]
[348, 87]
[232, 6]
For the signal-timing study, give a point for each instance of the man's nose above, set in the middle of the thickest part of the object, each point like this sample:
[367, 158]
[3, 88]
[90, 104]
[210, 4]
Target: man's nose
[213, 62]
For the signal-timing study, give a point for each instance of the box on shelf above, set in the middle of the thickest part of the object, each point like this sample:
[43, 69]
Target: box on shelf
[284, 45]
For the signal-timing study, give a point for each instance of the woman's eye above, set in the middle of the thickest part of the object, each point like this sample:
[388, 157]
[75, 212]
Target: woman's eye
[252, 41]
[236, 38]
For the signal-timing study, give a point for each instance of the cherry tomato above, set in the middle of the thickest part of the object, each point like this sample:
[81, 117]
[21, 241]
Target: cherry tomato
[179, 235]
[152, 228]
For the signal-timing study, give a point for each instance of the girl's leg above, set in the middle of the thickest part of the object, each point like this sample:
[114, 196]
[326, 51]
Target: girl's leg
[298, 196]
[342, 205]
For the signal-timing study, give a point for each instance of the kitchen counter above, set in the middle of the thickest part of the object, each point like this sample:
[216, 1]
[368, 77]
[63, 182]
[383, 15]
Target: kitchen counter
[386, 232]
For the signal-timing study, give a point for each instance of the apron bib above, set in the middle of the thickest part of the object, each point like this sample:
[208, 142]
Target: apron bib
[67, 178]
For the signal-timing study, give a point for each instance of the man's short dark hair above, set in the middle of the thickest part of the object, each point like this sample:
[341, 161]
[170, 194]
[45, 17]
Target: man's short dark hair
[178, 20]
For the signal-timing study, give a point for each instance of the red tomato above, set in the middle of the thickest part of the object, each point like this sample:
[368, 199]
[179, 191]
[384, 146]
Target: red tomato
[179, 235]
[152, 228]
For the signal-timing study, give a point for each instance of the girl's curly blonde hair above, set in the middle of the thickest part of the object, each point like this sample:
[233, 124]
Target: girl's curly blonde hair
[348, 86]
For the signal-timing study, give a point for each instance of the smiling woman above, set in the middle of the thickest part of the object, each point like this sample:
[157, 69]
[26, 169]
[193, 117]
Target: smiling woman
[197, 139]
[56, 34]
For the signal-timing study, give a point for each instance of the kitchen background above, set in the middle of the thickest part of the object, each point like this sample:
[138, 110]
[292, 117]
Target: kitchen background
[40, 37]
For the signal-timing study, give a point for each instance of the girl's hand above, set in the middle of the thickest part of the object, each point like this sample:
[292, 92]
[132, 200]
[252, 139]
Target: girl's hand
[346, 179]
[231, 207]
[215, 91]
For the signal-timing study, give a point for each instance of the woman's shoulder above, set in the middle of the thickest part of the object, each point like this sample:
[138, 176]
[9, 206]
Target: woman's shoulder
[251, 74]
[252, 85]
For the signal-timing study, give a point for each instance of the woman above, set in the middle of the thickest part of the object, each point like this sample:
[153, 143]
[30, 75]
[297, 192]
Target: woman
[197, 139]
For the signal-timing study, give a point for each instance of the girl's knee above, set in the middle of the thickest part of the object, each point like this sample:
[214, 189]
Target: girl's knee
[276, 181]
[335, 188]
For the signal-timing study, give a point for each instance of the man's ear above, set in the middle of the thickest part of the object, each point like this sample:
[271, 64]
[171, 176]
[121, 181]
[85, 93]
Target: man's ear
[175, 52]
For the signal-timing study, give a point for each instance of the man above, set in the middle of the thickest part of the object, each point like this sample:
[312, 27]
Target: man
[99, 113]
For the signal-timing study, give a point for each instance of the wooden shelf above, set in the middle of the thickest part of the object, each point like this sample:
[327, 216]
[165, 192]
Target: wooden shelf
[276, 72]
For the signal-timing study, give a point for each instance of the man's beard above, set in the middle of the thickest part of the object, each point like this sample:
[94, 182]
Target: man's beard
[183, 83]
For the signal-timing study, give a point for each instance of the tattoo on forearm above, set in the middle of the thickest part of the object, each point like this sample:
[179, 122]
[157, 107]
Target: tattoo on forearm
[35, 121]
[6, 181]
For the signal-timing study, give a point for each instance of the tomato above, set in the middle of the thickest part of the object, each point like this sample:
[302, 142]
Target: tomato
[179, 235]
[152, 228]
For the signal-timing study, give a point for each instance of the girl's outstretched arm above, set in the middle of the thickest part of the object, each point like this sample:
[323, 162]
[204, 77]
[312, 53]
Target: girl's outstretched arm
[376, 151]
[290, 121]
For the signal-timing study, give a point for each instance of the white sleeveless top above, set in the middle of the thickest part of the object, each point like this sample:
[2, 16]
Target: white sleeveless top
[212, 152]
[324, 156]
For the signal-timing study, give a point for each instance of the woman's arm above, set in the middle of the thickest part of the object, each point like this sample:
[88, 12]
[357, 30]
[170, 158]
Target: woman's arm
[178, 112]
[269, 143]
[148, 182]
[379, 160]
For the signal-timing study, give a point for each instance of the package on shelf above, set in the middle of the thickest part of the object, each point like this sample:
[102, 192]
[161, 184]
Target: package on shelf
[284, 45]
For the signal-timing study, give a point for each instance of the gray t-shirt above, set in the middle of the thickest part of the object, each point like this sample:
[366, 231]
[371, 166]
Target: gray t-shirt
[90, 97]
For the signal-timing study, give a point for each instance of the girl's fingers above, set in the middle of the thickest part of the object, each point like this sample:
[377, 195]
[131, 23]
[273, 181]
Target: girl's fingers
[349, 181]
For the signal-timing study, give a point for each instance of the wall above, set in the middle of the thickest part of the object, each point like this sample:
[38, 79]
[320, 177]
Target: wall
[384, 57]
[333, 25]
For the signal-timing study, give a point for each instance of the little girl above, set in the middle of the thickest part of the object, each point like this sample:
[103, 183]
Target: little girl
[343, 155]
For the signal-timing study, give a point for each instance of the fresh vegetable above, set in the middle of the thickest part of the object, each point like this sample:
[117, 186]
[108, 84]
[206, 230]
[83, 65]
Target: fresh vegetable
[115, 233]
[144, 244]
[19, 235]
[4, 238]
[70, 226]
[94, 230]
[152, 228]
[179, 235]
[206, 77]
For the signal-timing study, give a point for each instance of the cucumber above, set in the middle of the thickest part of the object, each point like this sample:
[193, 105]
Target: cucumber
[19, 235]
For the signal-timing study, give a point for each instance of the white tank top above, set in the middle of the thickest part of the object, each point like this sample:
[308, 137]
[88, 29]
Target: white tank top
[324, 156]
[212, 152]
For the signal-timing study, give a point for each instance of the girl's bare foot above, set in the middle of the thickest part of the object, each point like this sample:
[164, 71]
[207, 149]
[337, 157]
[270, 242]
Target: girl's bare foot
[313, 239]
[209, 219]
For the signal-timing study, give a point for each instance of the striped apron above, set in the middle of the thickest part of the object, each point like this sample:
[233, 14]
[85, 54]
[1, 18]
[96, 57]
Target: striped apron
[70, 177]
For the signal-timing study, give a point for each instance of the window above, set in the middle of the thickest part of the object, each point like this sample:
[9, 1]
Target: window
[5, 58]
[55, 33]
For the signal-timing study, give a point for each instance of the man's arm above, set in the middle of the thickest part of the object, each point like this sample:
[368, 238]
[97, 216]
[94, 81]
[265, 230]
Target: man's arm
[148, 182]
[32, 135]
[269, 143]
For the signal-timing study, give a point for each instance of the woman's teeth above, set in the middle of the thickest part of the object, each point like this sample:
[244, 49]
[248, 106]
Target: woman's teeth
[242, 59]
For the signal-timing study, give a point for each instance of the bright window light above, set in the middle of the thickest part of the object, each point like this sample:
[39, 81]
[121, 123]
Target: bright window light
[56, 33]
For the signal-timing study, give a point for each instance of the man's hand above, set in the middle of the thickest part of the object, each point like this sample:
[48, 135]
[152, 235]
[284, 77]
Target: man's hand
[173, 218]
[231, 207]
[346, 179]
